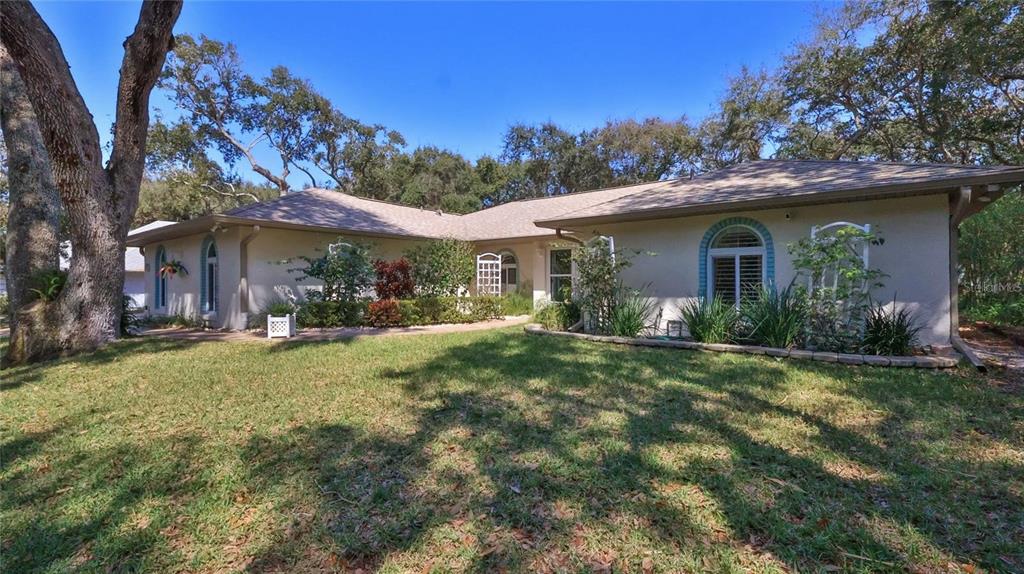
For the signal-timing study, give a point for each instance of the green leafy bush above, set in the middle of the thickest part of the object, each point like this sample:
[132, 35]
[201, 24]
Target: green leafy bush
[434, 310]
[710, 320]
[517, 303]
[329, 314]
[631, 314]
[889, 332]
[442, 267]
[275, 306]
[344, 272]
[775, 318]
[131, 317]
[5, 308]
[841, 295]
[483, 308]
[557, 316]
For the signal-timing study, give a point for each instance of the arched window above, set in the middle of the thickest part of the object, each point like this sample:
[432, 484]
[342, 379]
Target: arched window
[208, 281]
[509, 272]
[737, 258]
[159, 280]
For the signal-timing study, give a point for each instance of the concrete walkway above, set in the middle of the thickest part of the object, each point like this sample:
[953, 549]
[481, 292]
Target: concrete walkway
[332, 334]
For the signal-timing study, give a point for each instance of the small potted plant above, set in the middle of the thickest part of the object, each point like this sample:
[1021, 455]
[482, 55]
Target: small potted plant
[172, 268]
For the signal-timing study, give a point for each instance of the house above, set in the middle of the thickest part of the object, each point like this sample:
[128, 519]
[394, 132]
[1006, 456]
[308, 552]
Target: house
[707, 233]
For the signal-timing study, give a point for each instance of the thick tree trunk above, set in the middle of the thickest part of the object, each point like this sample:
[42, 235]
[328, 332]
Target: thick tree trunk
[34, 222]
[99, 202]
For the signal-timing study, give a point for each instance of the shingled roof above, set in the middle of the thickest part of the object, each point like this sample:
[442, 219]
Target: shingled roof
[752, 185]
[781, 183]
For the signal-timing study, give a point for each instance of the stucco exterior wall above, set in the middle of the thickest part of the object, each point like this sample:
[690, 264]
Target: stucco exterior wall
[914, 255]
[270, 256]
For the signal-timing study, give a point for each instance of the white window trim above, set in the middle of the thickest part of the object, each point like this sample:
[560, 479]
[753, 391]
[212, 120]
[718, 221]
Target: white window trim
[503, 266]
[547, 269]
[735, 253]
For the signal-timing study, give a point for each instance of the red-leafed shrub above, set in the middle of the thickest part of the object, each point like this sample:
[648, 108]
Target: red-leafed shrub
[394, 279]
[384, 313]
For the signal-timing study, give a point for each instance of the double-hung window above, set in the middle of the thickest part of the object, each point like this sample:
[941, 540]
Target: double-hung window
[560, 274]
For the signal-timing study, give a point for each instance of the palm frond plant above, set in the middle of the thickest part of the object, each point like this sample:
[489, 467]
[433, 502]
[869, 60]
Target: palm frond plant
[49, 284]
[889, 331]
[710, 320]
[775, 318]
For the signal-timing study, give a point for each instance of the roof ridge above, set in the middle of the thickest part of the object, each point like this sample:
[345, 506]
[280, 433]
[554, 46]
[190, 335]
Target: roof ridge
[876, 162]
[375, 200]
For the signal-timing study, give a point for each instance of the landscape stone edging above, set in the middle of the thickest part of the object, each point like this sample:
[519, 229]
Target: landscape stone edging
[799, 354]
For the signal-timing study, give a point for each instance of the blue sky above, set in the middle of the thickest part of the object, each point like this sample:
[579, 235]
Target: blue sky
[456, 75]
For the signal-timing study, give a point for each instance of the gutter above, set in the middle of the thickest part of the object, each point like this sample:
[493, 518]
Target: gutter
[559, 233]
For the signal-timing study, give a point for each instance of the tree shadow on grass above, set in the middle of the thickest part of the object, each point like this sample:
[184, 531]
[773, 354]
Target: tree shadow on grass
[533, 454]
[15, 377]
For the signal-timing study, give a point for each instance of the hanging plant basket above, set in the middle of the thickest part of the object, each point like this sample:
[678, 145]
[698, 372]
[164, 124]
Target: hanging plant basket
[172, 268]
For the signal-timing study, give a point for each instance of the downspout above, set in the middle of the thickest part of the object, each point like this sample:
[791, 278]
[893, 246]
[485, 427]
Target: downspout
[243, 269]
[959, 209]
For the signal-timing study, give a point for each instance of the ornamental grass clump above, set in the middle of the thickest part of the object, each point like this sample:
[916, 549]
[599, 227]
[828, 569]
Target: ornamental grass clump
[775, 318]
[710, 320]
[631, 315]
[889, 331]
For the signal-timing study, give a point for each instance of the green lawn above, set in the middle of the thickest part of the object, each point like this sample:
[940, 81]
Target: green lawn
[497, 450]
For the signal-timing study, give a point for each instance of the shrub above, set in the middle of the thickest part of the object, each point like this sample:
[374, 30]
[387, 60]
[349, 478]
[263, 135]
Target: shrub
[276, 306]
[597, 287]
[483, 308]
[435, 310]
[5, 308]
[517, 304]
[344, 271]
[384, 313]
[442, 267]
[889, 332]
[328, 314]
[631, 315]
[131, 318]
[841, 286]
[775, 318]
[710, 320]
[409, 312]
[394, 279]
[556, 316]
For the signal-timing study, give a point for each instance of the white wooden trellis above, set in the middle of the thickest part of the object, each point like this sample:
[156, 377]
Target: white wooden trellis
[816, 229]
[488, 274]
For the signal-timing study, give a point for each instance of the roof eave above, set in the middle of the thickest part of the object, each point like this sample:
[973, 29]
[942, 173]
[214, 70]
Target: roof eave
[810, 198]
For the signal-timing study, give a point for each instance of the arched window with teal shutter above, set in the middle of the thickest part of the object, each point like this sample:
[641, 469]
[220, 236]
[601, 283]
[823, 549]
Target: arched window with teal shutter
[737, 257]
[208, 281]
[159, 279]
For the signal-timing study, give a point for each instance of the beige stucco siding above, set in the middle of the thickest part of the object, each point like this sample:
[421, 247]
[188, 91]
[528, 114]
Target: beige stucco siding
[271, 254]
[914, 255]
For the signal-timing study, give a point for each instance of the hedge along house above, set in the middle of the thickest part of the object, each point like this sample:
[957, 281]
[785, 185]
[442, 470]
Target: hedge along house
[717, 234]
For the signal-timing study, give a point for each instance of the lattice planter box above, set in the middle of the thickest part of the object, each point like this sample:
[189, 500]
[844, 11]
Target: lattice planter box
[280, 326]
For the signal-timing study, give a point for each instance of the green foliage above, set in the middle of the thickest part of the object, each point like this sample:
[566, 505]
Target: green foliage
[131, 317]
[344, 271]
[710, 320]
[5, 308]
[49, 284]
[276, 306]
[557, 316]
[326, 314]
[442, 267]
[598, 289]
[841, 296]
[775, 318]
[631, 316]
[992, 262]
[177, 320]
[889, 331]
[517, 303]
